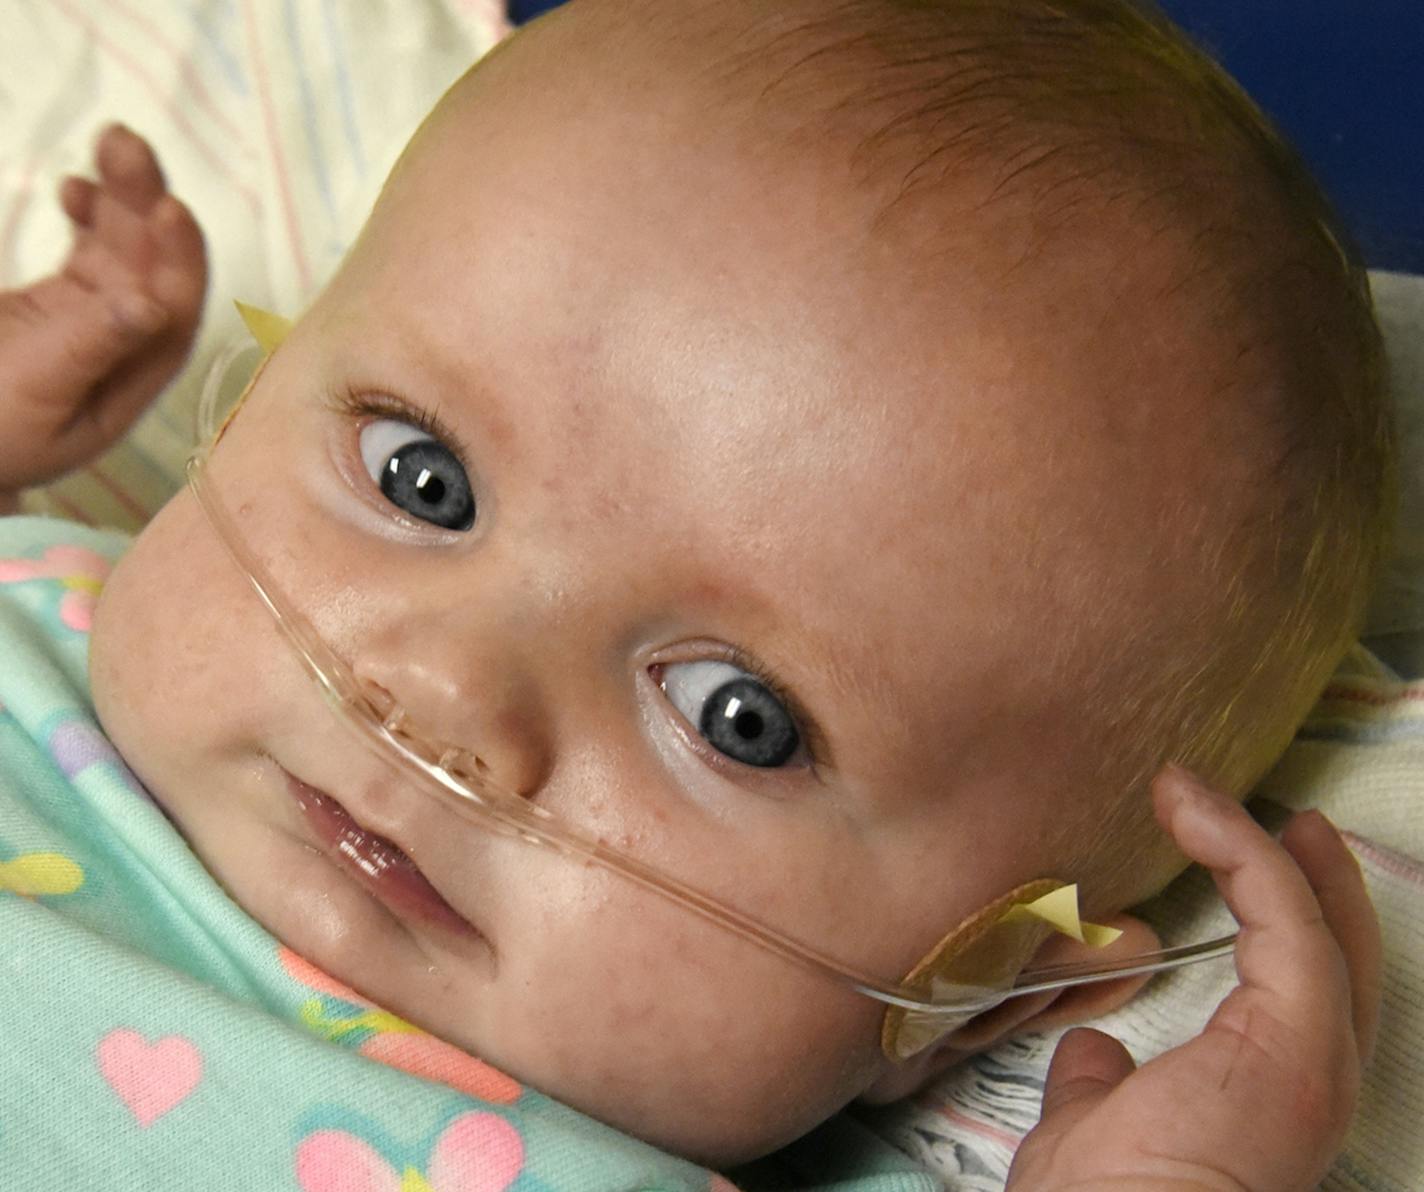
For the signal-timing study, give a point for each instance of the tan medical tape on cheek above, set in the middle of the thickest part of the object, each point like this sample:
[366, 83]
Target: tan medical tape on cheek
[986, 951]
[268, 330]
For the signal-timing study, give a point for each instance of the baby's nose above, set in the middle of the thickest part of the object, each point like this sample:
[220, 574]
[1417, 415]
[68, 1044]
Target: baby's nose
[493, 718]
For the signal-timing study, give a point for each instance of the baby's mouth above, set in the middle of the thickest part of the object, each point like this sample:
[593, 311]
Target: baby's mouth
[376, 862]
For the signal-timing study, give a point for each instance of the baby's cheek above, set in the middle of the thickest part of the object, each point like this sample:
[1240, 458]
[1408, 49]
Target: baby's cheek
[696, 1040]
[157, 666]
[121, 673]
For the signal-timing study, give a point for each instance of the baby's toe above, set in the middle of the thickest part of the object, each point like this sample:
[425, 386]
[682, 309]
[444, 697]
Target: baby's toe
[180, 270]
[77, 197]
[114, 249]
[128, 169]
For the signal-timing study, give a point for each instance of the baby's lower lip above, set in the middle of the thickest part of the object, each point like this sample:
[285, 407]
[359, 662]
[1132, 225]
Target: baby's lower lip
[377, 863]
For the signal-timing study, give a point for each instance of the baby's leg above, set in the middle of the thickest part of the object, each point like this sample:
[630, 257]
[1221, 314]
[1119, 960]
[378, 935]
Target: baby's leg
[83, 352]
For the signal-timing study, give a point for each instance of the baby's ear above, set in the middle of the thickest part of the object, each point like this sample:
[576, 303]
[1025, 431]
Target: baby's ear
[1035, 1012]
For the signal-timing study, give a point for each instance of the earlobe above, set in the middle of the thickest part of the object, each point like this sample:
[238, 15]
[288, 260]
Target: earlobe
[1036, 1012]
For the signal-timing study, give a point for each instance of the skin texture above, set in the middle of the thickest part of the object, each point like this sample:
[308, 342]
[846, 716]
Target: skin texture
[689, 428]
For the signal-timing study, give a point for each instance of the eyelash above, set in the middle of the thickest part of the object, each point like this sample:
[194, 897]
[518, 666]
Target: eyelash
[366, 403]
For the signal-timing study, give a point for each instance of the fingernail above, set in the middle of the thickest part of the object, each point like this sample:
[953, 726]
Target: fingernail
[1334, 828]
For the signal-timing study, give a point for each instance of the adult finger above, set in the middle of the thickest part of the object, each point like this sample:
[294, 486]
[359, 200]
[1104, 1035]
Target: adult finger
[1087, 1065]
[1287, 952]
[1334, 876]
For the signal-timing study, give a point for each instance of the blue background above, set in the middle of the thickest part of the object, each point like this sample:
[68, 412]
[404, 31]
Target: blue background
[1343, 80]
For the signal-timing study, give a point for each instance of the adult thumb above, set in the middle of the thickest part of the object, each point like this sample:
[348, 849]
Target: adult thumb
[1087, 1065]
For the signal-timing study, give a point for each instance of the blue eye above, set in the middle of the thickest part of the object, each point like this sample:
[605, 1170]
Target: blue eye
[734, 711]
[418, 473]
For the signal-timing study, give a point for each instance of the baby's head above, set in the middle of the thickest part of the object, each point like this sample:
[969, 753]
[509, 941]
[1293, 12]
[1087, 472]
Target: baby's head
[974, 390]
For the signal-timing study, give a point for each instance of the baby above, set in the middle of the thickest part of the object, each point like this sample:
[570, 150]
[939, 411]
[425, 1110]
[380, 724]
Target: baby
[836, 453]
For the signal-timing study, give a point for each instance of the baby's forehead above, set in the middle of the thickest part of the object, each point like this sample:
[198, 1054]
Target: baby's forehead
[787, 337]
[814, 136]
[736, 338]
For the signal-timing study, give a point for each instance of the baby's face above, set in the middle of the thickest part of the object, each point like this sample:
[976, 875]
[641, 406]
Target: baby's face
[714, 432]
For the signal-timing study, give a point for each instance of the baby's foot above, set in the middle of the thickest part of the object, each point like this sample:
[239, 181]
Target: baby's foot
[82, 353]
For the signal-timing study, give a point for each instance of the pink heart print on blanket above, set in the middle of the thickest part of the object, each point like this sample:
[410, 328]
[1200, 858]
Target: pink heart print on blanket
[478, 1152]
[81, 571]
[149, 1078]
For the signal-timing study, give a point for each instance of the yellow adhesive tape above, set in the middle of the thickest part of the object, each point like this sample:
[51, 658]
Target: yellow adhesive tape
[986, 952]
[267, 329]
[1059, 909]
